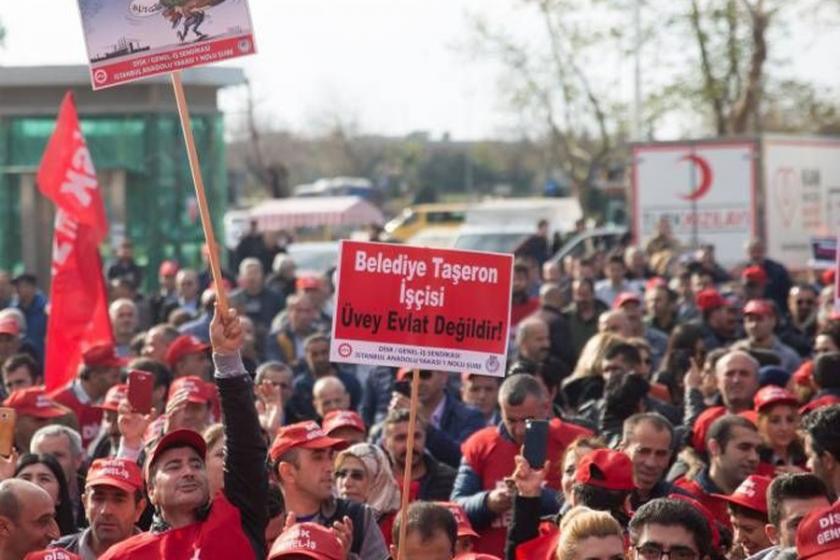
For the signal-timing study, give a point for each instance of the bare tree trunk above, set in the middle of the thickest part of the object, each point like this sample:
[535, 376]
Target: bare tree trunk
[711, 86]
[745, 106]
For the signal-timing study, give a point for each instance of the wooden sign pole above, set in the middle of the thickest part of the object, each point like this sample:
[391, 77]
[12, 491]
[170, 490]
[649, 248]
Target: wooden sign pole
[409, 460]
[198, 182]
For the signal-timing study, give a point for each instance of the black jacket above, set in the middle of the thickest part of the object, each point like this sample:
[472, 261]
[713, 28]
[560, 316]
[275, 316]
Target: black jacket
[436, 486]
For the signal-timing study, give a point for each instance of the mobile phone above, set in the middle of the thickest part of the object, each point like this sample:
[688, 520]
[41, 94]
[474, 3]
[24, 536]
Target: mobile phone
[7, 430]
[403, 387]
[140, 387]
[536, 443]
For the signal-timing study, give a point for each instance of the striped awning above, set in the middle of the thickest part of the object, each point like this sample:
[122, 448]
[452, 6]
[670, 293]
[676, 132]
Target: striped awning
[293, 213]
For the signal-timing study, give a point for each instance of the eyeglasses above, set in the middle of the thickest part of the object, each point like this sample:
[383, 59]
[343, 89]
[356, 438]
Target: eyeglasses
[653, 551]
[354, 474]
[425, 374]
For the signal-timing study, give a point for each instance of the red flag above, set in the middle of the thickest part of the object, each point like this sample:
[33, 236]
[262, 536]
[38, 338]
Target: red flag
[78, 300]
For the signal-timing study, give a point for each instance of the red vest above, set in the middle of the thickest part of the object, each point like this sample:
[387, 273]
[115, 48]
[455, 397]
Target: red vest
[219, 537]
[490, 455]
[90, 417]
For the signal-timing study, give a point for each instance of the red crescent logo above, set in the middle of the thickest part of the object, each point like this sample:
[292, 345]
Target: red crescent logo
[705, 177]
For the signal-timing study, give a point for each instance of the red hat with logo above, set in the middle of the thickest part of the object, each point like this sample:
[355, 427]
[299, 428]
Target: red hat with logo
[818, 535]
[772, 395]
[196, 389]
[751, 494]
[52, 554]
[709, 299]
[172, 440]
[168, 268]
[465, 528]
[343, 419]
[121, 473]
[754, 274]
[9, 325]
[115, 395]
[828, 276]
[606, 468]
[761, 307]
[182, 346]
[309, 540]
[303, 435]
[102, 355]
[626, 297]
[33, 401]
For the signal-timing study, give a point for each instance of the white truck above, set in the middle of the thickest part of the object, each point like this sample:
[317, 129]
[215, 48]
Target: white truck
[782, 189]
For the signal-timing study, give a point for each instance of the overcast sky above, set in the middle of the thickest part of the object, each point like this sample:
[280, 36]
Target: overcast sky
[391, 66]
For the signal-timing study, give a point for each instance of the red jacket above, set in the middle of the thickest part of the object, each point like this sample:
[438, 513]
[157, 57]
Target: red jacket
[700, 490]
[218, 537]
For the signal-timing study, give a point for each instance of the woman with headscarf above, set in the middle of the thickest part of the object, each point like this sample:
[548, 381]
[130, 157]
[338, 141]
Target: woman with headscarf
[363, 474]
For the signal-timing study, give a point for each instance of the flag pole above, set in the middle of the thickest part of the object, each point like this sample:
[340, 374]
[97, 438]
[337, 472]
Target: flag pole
[198, 182]
[409, 461]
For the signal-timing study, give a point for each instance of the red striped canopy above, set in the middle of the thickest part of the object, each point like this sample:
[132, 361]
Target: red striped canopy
[293, 213]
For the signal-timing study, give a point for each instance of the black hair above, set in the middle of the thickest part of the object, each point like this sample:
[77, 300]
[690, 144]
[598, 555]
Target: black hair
[827, 370]
[276, 503]
[671, 513]
[64, 508]
[427, 518]
[615, 258]
[749, 513]
[520, 267]
[683, 340]
[831, 329]
[163, 376]
[796, 486]
[723, 429]
[602, 499]
[627, 351]
[622, 396]
[15, 361]
[823, 425]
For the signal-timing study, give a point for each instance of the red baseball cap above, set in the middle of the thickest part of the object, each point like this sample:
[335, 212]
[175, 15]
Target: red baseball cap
[8, 325]
[182, 346]
[197, 389]
[805, 373]
[817, 537]
[828, 276]
[176, 438]
[751, 494]
[626, 297]
[709, 299]
[103, 355]
[304, 435]
[754, 274]
[770, 395]
[759, 307]
[308, 283]
[343, 419]
[702, 425]
[121, 473]
[33, 401]
[615, 468]
[465, 528]
[655, 282]
[52, 554]
[115, 395]
[168, 268]
[827, 400]
[309, 540]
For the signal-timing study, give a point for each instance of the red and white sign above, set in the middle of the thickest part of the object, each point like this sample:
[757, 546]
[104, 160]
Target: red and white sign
[423, 308]
[132, 39]
[709, 188]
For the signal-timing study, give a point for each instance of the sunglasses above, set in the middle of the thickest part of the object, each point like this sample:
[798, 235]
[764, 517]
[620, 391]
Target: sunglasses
[425, 374]
[354, 474]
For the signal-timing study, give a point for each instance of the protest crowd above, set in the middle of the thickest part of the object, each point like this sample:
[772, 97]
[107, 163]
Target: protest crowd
[693, 414]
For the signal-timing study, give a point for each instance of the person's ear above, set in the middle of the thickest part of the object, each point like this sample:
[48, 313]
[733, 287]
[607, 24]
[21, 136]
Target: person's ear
[6, 528]
[394, 551]
[714, 448]
[772, 533]
[151, 492]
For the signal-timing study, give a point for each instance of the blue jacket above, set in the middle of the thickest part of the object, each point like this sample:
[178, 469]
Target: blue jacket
[36, 322]
[457, 423]
[468, 491]
[377, 395]
[304, 382]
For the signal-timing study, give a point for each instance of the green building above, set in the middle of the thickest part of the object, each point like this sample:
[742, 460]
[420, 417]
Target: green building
[135, 139]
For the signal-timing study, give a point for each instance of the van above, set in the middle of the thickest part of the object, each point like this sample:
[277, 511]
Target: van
[418, 217]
